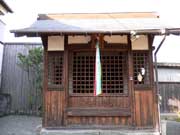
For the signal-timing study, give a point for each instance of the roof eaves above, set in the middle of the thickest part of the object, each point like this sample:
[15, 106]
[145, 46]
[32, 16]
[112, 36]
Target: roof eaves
[5, 5]
[138, 26]
[168, 65]
[26, 32]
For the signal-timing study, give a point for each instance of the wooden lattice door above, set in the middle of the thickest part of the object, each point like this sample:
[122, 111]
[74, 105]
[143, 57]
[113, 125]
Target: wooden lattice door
[110, 108]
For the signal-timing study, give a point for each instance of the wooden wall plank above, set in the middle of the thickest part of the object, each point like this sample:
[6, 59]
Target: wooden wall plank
[15, 80]
[91, 101]
[130, 81]
[98, 111]
[144, 109]
[170, 97]
[98, 121]
[54, 112]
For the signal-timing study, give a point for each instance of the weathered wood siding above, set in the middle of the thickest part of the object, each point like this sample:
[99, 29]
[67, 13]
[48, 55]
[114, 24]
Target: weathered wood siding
[102, 101]
[144, 108]
[100, 121]
[53, 101]
[54, 106]
[15, 80]
[65, 109]
[170, 92]
[169, 87]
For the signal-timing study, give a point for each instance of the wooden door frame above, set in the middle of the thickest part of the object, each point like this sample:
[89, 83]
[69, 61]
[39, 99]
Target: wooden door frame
[131, 82]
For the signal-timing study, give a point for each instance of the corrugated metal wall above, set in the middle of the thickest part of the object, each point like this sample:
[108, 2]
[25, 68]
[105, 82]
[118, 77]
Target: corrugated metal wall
[169, 74]
[16, 82]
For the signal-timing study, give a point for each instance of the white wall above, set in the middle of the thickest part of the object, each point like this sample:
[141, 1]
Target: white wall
[1, 57]
[2, 28]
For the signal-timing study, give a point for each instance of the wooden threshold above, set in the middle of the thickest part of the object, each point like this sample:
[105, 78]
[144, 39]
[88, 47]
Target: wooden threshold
[98, 111]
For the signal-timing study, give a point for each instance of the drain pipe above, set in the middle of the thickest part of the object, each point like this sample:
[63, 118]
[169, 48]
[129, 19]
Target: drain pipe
[157, 84]
[155, 58]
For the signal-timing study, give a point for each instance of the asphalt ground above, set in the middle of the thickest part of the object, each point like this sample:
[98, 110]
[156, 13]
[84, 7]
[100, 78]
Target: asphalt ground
[19, 125]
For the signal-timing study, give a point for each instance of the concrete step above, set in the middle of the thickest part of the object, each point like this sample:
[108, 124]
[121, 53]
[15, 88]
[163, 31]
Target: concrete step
[97, 132]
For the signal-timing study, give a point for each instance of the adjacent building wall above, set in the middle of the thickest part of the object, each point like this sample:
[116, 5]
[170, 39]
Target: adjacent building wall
[169, 75]
[2, 28]
[17, 82]
[169, 87]
[1, 58]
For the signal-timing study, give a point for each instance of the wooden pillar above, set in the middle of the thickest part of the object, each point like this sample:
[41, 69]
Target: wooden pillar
[53, 98]
[156, 120]
[45, 55]
[66, 75]
[131, 84]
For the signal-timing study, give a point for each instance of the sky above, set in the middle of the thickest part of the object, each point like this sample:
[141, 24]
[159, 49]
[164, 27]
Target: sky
[26, 12]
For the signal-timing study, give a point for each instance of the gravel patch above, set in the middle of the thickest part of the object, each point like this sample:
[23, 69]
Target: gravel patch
[19, 125]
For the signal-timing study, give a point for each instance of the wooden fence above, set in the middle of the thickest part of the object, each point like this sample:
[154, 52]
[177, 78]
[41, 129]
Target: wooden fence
[17, 82]
[170, 93]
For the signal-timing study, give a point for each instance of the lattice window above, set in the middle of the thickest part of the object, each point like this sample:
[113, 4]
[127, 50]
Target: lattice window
[141, 60]
[55, 69]
[83, 72]
[114, 72]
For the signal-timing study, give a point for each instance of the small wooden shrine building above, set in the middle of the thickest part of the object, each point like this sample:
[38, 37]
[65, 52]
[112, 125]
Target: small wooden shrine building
[128, 99]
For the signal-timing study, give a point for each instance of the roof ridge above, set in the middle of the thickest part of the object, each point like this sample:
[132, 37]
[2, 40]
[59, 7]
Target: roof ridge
[98, 15]
[101, 12]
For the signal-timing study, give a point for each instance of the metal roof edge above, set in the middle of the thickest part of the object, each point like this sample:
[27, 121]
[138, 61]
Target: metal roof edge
[94, 13]
[168, 65]
[5, 5]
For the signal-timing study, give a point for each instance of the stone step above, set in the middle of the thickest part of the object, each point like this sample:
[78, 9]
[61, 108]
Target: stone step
[97, 132]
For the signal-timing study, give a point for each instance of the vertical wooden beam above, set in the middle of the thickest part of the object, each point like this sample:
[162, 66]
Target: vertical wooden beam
[66, 78]
[131, 82]
[45, 79]
[151, 67]
[93, 37]
[155, 103]
[101, 38]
